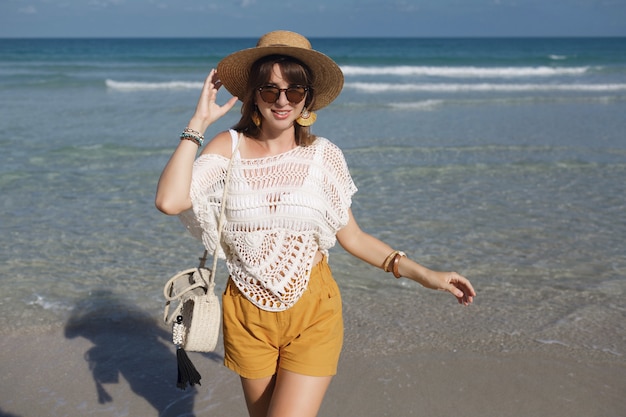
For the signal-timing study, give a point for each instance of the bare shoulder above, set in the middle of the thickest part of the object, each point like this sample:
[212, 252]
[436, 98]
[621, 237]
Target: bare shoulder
[221, 144]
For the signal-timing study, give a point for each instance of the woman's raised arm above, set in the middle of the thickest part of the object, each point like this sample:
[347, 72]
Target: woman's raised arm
[172, 195]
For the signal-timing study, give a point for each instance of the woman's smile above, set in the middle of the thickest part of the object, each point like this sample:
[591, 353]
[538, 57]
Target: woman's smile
[281, 114]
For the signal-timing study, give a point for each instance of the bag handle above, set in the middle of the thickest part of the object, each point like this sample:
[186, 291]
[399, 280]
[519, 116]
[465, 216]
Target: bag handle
[220, 222]
[169, 286]
[168, 290]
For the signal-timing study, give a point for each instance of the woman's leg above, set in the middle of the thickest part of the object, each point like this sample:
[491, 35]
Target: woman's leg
[258, 394]
[297, 395]
[287, 394]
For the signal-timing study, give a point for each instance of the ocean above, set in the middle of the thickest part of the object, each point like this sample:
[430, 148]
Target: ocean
[503, 159]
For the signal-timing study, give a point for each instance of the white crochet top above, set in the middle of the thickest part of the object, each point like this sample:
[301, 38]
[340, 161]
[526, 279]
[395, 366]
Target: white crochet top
[280, 211]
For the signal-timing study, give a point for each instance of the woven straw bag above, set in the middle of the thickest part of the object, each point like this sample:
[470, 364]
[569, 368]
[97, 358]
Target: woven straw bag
[197, 316]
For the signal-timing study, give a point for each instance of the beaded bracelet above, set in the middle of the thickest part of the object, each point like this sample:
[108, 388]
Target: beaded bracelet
[393, 261]
[192, 135]
[195, 132]
[193, 138]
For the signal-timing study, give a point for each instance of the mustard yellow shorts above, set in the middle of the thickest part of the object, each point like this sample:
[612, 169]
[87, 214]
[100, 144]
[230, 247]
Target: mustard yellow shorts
[306, 338]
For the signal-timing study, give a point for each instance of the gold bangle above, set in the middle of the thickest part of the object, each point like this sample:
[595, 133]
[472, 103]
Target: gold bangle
[392, 262]
[388, 260]
[396, 264]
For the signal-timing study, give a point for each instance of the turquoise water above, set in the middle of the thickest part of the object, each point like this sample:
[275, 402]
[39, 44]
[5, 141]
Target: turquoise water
[503, 159]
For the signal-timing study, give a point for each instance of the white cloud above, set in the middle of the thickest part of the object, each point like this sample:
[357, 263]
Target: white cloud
[407, 6]
[27, 10]
[105, 3]
[158, 4]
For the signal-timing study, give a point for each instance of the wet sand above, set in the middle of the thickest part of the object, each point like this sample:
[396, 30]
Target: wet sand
[117, 368]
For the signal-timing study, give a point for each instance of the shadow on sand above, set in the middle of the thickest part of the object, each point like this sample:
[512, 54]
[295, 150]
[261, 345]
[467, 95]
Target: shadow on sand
[3, 414]
[129, 343]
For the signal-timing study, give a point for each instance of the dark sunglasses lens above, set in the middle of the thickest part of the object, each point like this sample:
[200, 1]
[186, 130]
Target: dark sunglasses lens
[295, 94]
[269, 94]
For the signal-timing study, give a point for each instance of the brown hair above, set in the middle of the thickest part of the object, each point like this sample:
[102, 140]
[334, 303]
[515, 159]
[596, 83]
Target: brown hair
[295, 72]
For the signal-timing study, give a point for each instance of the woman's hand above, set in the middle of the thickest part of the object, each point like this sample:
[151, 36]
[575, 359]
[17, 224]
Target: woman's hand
[452, 282]
[207, 111]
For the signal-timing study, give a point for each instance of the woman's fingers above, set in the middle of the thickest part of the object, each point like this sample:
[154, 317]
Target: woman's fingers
[461, 288]
[207, 110]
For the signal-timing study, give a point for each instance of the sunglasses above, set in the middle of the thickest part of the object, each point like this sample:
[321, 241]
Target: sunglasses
[270, 93]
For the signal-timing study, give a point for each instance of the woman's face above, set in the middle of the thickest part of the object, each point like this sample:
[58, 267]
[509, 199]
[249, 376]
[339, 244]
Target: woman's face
[280, 115]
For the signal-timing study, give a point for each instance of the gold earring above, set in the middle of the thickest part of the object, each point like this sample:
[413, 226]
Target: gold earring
[256, 118]
[307, 118]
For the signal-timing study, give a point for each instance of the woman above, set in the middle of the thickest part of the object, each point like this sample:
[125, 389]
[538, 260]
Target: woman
[289, 201]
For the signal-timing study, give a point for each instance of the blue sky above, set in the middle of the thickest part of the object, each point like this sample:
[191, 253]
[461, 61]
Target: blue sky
[314, 18]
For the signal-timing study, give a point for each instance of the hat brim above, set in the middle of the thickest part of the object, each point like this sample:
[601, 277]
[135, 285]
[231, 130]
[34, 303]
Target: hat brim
[234, 71]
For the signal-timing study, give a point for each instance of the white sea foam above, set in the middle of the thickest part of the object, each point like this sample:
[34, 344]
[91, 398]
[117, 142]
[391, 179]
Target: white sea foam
[446, 72]
[551, 342]
[46, 304]
[481, 87]
[167, 85]
[397, 87]
[418, 105]
[464, 72]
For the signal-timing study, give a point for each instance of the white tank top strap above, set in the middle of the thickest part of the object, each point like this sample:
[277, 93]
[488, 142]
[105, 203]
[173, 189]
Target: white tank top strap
[235, 138]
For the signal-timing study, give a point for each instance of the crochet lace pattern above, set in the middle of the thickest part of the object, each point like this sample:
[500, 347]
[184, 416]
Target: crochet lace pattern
[280, 211]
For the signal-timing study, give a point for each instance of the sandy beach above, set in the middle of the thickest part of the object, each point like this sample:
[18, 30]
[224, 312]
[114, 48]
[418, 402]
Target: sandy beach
[127, 368]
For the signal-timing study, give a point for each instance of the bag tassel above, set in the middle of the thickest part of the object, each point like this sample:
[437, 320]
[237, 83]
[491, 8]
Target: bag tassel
[187, 372]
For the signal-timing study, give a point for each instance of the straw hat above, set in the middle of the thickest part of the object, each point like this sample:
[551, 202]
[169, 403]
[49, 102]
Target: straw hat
[234, 70]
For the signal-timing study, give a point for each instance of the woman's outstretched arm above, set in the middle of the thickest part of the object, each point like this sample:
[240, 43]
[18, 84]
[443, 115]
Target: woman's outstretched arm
[374, 251]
